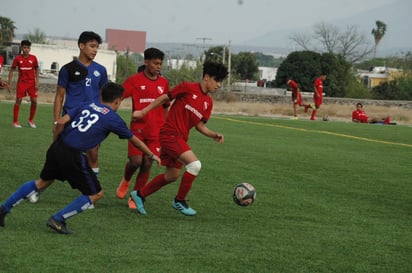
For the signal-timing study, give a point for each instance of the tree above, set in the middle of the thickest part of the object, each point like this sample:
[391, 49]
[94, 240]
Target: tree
[7, 29]
[378, 33]
[349, 43]
[245, 66]
[305, 66]
[37, 37]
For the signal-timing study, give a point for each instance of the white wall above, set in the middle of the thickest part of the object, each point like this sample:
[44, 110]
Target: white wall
[48, 54]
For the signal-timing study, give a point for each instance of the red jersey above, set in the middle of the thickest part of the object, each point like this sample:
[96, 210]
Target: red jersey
[27, 68]
[1, 62]
[190, 107]
[143, 91]
[360, 115]
[318, 84]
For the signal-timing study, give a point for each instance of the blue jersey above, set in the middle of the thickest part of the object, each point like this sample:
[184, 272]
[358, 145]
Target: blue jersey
[90, 124]
[82, 83]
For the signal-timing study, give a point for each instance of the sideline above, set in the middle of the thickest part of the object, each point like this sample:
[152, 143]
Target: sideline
[316, 131]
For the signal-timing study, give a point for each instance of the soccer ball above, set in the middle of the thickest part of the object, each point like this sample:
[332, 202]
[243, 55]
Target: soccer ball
[33, 198]
[244, 194]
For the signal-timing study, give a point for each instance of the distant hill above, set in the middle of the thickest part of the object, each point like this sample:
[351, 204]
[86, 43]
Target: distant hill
[396, 16]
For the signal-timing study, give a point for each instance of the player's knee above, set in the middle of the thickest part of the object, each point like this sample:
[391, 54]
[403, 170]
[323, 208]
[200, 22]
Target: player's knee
[194, 167]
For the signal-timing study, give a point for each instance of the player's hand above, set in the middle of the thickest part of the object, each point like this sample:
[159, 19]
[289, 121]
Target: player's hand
[155, 158]
[219, 138]
[137, 115]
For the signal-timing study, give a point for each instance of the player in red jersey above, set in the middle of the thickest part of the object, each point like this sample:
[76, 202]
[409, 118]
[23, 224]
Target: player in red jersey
[192, 107]
[359, 115]
[297, 98]
[27, 83]
[318, 94]
[144, 88]
[3, 84]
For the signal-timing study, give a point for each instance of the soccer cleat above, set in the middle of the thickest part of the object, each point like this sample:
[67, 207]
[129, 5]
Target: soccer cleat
[131, 203]
[2, 216]
[183, 207]
[122, 188]
[312, 106]
[139, 201]
[59, 227]
[294, 118]
[16, 125]
[32, 124]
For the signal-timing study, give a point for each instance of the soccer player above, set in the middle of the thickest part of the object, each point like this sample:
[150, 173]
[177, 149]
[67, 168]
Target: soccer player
[80, 129]
[359, 115]
[143, 88]
[80, 82]
[27, 82]
[318, 94]
[297, 98]
[191, 107]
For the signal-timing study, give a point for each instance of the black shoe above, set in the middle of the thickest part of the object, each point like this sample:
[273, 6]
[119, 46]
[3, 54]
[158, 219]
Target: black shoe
[59, 227]
[2, 216]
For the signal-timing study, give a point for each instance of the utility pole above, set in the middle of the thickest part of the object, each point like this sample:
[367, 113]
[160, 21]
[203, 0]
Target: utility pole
[204, 39]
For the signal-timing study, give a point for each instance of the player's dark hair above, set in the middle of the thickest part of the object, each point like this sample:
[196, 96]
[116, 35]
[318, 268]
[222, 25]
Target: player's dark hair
[111, 91]
[25, 43]
[87, 36]
[141, 68]
[359, 104]
[153, 53]
[216, 70]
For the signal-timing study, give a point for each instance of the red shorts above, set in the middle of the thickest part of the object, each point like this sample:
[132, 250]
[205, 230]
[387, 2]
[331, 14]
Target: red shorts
[23, 89]
[172, 147]
[318, 101]
[152, 143]
[298, 99]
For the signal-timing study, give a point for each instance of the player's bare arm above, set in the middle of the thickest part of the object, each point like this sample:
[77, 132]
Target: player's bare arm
[141, 146]
[58, 102]
[202, 128]
[139, 114]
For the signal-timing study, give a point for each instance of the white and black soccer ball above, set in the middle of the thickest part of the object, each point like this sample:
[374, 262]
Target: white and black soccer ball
[244, 194]
[325, 118]
[34, 197]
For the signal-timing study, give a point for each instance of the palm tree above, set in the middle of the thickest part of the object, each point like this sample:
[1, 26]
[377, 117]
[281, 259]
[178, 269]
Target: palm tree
[7, 28]
[378, 34]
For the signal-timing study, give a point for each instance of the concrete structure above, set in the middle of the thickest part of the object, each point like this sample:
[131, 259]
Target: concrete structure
[378, 75]
[52, 57]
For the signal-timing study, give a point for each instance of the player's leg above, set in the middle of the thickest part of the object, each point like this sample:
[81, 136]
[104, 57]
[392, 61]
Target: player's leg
[23, 192]
[93, 159]
[193, 167]
[33, 108]
[135, 157]
[80, 176]
[16, 110]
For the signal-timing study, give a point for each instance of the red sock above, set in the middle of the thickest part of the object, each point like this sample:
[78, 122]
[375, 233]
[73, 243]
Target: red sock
[16, 110]
[185, 185]
[313, 114]
[33, 108]
[156, 184]
[141, 180]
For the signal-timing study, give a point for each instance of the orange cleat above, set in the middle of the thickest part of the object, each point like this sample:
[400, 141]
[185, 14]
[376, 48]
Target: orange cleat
[132, 204]
[122, 189]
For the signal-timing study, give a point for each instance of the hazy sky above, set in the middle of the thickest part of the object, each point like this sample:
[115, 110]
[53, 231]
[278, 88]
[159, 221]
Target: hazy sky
[178, 20]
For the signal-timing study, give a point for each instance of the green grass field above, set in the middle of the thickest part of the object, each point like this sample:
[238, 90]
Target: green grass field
[331, 197]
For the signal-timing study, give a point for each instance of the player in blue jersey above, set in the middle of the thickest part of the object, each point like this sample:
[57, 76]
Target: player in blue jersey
[80, 82]
[77, 131]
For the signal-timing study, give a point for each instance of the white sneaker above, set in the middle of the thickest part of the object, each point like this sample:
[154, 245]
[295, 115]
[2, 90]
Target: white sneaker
[31, 124]
[16, 125]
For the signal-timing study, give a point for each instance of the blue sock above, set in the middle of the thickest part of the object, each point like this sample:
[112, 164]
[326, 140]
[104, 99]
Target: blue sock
[25, 190]
[80, 204]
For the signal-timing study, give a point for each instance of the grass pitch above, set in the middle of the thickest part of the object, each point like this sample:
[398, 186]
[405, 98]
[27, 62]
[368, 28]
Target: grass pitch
[331, 197]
